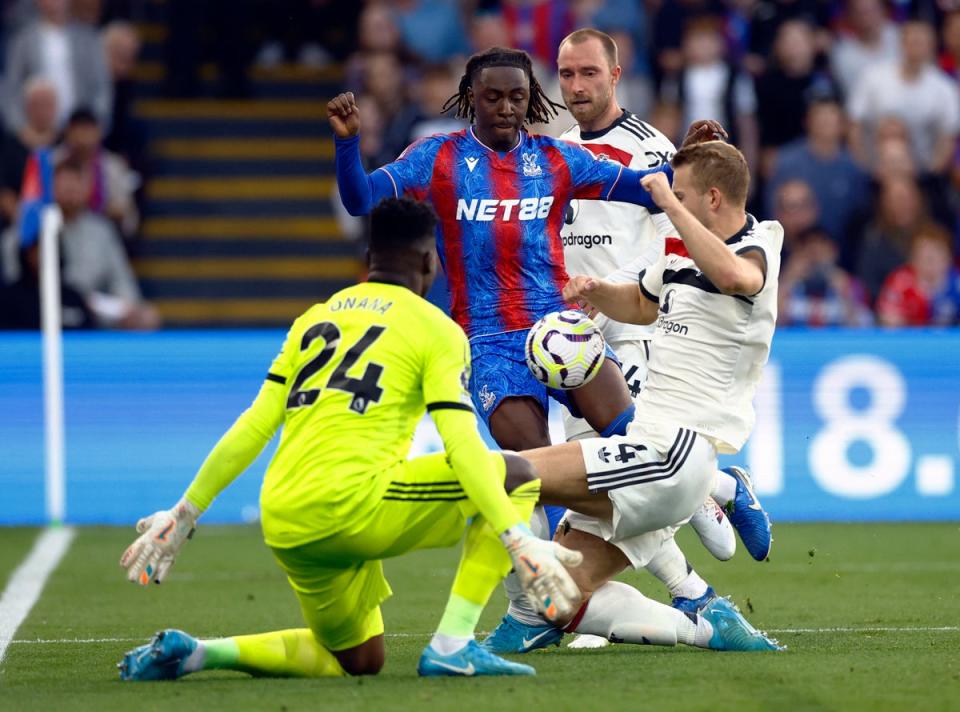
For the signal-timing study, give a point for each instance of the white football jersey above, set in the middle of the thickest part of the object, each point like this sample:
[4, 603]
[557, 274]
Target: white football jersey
[617, 240]
[709, 348]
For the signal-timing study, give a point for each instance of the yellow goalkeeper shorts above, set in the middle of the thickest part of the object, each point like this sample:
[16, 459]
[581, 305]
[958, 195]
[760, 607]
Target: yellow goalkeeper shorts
[339, 580]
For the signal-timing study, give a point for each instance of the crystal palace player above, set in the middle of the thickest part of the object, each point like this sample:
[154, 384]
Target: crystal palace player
[501, 194]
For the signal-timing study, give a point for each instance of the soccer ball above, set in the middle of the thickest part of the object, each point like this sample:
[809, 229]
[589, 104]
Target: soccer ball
[565, 349]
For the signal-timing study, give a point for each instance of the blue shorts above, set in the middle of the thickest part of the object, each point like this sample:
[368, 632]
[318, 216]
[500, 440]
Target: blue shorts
[499, 371]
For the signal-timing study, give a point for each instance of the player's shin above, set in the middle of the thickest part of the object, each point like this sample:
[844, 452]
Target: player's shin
[283, 653]
[671, 567]
[621, 614]
[483, 565]
[520, 606]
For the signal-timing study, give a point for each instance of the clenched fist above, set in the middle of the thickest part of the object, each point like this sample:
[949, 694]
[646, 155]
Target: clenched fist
[344, 115]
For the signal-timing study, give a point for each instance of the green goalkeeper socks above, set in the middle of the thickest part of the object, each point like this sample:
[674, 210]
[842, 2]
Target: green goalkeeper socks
[483, 565]
[284, 653]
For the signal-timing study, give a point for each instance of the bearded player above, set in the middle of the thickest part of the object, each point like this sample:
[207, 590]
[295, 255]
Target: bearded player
[616, 241]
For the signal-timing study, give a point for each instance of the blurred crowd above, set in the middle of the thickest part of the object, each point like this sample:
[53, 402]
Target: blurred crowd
[847, 110]
[69, 138]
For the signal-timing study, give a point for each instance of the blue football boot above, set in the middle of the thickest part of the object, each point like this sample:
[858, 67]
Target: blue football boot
[694, 605]
[512, 636]
[747, 516]
[160, 659]
[731, 631]
[469, 661]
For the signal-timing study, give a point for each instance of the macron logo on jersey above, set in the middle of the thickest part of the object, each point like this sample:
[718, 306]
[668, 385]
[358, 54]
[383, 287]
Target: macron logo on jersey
[487, 209]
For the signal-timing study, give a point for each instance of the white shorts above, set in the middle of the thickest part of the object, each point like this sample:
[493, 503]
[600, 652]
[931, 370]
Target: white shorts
[633, 355]
[655, 477]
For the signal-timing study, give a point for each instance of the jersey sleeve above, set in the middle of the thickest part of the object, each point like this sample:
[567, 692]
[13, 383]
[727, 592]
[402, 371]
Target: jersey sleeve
[651, 278]
[766, 239]
[412, 171]
[446, 373]
[480, 472]
[590, 177]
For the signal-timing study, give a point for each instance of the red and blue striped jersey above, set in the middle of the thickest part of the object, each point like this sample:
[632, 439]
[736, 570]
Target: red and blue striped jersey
[500, 218]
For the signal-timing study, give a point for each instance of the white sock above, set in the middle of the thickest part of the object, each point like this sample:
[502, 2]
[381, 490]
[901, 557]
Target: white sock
[671, 567]
[520, 607]
[447, 644]
[621, 614]
[194, 661]
[724, 488]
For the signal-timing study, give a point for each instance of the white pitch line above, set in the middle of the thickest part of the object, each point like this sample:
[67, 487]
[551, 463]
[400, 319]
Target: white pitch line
[881, 629]
[887, 629]
[27, 582]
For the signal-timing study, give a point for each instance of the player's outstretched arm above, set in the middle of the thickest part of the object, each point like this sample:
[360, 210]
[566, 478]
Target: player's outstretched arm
[359, 190]
[731, 273]
[162, 534]
[621, 302]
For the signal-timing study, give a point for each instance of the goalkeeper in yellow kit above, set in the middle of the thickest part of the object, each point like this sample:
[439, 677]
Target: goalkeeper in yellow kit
[352, 381]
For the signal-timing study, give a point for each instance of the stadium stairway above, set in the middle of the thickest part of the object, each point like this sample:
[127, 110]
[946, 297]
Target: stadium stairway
[238, 228]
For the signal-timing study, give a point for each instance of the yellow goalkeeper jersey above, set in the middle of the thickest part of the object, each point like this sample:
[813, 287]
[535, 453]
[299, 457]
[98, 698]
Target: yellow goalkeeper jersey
[358, 373]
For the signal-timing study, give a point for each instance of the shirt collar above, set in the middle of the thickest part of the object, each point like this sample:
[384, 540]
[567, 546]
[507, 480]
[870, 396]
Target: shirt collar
[521, 137]
[742, 232]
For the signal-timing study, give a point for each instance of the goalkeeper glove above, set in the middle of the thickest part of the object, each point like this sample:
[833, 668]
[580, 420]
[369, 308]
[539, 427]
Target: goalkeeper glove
[540, 568]
[162, 534]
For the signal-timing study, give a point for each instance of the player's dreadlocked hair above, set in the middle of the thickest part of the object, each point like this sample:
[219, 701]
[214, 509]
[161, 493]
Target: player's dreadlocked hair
[540, 109]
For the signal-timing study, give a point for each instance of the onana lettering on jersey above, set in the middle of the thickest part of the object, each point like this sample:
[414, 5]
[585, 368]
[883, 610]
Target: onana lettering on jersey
[353, 303]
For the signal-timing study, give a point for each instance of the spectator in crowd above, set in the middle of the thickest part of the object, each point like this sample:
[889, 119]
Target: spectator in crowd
[893, 160]
[488, 29]
[112, 184]
[766, 24]
[384, 80]
[436, 85]
[918, 93]
[900, 213]
[669, 25]
[69, 54]
[94, 261]
[821, 160]
[121, 44]
[432, 30]
[926, 290]
[950, 39]
[537, 27]
[795, 207]
[20, 301]
[38, 132]
[377, 30]
[710, 88]
[868, 38]
[634, 88]
[888, 161]
[816, 291]
[786, 88]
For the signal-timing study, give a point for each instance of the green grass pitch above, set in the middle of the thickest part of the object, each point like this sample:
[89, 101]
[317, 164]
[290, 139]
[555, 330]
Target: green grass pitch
[869, 612]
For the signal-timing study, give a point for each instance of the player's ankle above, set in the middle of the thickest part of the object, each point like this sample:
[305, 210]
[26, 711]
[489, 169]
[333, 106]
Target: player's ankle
[522, 611]
[692, 586]
[448, 644]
